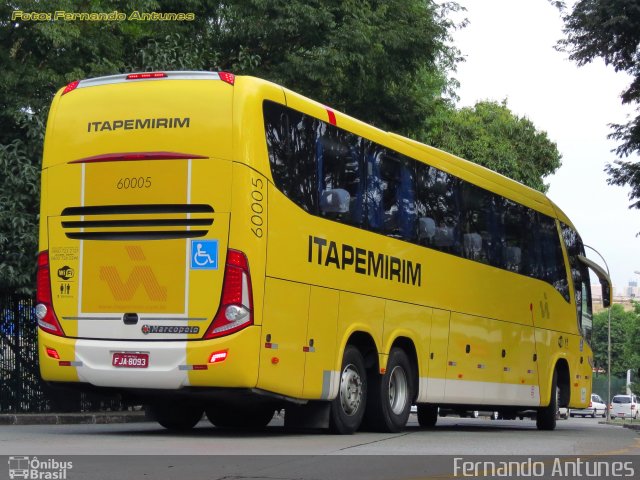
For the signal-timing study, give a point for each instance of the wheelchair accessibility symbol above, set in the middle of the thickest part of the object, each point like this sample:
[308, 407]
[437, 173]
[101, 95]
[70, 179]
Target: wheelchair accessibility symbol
[204, 254]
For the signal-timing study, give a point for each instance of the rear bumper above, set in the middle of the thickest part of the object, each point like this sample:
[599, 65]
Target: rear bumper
[173, 365]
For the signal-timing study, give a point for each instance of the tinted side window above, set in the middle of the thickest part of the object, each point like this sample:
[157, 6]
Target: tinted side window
[437, 210]
[480, 234]
[335, 174]
[552, 259]
[340, 173]
[291, 141]
[391, 194]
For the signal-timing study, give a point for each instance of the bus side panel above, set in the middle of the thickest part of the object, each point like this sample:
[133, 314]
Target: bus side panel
[320, 374]
[471, 362]
[519, 369]
[432, 389]
[581, 380]
[284, 331]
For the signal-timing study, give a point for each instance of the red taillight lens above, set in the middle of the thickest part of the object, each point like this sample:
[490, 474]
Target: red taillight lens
[236, 303]
[227, 77]
[70, 87]
[146, 76]
[44, 307]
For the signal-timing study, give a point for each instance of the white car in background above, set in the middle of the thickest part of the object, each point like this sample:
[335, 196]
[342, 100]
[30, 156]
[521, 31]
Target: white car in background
[624, 406]
[596, 408]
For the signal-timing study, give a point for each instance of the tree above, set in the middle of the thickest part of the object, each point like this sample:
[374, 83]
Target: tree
[625, 339]
[610, 29]
[36, 58]
[385, 62]
[491, 135]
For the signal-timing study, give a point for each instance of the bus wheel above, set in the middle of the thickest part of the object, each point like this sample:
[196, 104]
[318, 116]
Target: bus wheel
[347, 409]
[175, 415]
[427, 415]
[546, 417]
[253, 417]
[391, 394]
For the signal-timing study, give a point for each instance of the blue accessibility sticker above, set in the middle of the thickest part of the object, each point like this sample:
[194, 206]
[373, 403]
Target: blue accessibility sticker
[204, 254]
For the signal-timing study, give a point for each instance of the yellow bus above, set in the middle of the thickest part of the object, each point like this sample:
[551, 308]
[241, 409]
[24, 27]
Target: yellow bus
[218, 243]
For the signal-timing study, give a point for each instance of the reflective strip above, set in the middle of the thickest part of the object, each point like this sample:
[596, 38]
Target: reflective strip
[193, 367]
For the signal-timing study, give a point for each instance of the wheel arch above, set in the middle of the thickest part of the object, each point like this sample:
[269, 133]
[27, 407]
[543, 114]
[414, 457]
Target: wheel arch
[408, 346]
[365, 343]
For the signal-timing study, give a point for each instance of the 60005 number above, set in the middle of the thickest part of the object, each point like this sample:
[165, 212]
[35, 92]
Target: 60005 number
[257, 208]
[127, 183]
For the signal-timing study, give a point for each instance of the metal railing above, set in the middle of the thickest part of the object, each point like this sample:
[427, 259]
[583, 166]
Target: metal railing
[21, 388]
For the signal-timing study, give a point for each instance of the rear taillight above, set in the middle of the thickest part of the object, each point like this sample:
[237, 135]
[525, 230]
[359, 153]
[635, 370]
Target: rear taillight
[236, 303]
[590, 404]
[70, 87]
[44, 307]
[227, 77]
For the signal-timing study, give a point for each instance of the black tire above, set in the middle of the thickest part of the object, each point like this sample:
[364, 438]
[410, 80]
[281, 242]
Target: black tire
[347, 409]
[391, 395]
[546, 418]
[427, 415]
[251, 417]
[176, 416]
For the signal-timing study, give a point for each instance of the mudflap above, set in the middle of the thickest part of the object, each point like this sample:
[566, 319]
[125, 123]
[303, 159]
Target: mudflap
[312, 415]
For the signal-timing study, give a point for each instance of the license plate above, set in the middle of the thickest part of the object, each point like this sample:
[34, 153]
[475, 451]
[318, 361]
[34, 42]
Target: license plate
[130, 360]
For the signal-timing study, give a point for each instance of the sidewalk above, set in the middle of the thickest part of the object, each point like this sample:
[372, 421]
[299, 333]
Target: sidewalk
[71, 418]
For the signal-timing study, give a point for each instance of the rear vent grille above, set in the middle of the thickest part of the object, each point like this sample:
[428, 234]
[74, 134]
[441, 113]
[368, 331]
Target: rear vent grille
[137, 222]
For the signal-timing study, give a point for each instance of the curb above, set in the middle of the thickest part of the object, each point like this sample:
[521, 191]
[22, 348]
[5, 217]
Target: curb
[72, 418]
[632, 426]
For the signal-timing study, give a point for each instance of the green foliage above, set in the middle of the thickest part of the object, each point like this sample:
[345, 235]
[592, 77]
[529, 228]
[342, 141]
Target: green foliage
[610, 29]
[385, 62]
[625, 339]
[491, 135]
[19, 194]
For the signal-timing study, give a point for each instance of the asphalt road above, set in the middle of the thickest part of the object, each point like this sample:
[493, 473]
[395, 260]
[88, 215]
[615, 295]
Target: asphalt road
[146, 450]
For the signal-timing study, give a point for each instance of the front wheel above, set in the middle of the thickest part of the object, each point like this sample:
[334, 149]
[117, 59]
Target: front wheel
[389, 403]
[546, 418]
[347, 409]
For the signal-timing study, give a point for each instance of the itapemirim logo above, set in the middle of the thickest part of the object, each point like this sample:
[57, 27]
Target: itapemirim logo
[33, 468]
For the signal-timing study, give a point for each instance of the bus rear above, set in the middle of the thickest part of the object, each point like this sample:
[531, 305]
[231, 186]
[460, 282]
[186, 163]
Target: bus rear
[138, 288]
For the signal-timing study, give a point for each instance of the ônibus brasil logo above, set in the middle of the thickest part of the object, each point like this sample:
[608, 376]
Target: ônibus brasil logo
[33, 468]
